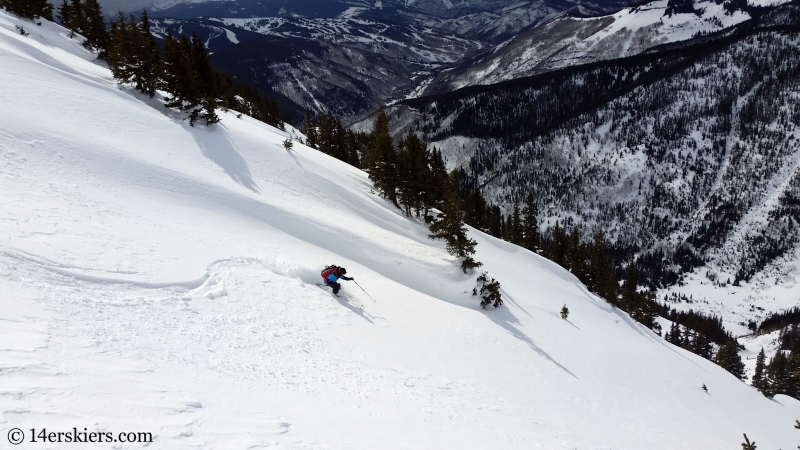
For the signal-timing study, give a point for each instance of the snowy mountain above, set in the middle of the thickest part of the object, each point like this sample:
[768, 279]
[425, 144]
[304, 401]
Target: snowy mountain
[481, 19]
[160, 278]
[345, 65]
[690, 153]
[571, 41]
[352, 57]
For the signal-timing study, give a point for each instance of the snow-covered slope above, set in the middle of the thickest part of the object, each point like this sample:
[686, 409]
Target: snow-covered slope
[160, 278]
[571, 41]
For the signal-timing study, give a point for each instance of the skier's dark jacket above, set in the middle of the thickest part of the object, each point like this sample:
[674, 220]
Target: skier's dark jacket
[331, 275]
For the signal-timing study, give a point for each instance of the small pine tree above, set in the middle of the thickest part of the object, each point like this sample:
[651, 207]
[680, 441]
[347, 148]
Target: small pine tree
[747, 445]
[489, 290]
[564, 312]
[287, 144]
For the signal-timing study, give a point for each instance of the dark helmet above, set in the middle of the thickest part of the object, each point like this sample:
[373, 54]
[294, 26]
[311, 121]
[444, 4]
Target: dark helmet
[342, 271]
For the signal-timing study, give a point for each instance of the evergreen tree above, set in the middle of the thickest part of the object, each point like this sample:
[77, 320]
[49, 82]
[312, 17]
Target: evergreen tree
[673, 336]
[602, 279]
[132, 54]
[564, 312]
[451, 226]
[180, 80]
[438, 181]
[148, 59]
[515, 231]
[208, 80]
[310, 129]
[575, 258]
[759, 381]
[494, 219]
[782, 375]
[63, 13]
[641, 306]
[121, 51]
[382, 159]
[489, 291]
[531, 239]
[414, 174]
[76, 19]
[630, 300]
[557, 251]
[702, 346]
[728, 358]
[326, 129]
[92, 26]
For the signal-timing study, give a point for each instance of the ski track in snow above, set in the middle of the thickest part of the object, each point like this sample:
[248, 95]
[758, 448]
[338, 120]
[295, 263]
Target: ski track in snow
[161, 278]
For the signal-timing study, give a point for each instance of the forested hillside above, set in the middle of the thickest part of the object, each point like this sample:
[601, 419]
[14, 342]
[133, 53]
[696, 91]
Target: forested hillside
[687, 156]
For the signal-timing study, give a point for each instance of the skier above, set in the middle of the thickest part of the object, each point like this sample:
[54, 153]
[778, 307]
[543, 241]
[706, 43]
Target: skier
[331, 275]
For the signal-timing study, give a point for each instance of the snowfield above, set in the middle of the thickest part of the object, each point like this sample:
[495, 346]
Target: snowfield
[161, 278]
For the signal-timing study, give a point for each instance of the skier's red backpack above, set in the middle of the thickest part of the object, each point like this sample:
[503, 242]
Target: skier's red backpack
[329, 270]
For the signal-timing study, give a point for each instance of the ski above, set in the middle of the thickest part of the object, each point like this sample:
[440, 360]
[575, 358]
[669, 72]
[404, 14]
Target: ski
[358, 304]
[326, 286]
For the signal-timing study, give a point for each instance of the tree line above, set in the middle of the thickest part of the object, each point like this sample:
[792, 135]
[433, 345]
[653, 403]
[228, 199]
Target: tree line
[414, 178]
[781, 375]
[326, 133]
[29, 9]
[537, 134]
[180, 67]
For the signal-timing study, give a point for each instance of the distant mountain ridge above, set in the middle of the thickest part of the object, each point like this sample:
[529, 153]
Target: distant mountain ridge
[350, 57]
[571, 40]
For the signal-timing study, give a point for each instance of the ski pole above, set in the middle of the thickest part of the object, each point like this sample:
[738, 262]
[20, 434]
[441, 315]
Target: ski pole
[359, 286]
